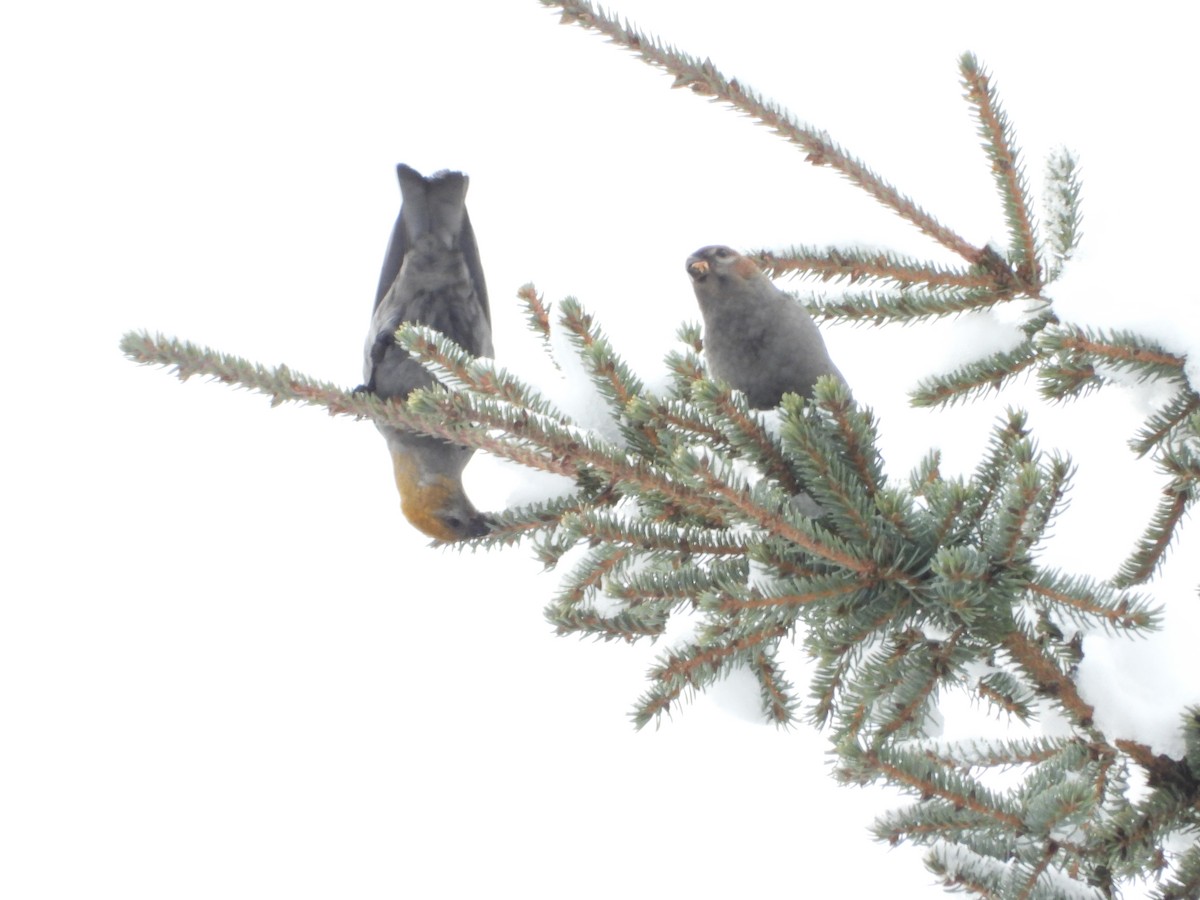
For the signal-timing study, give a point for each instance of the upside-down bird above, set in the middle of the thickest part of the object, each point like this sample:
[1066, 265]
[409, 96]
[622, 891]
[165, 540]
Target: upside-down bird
[431, 276]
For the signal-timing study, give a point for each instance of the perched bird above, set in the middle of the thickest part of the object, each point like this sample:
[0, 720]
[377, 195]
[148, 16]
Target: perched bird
[756, 338]
[431, 276]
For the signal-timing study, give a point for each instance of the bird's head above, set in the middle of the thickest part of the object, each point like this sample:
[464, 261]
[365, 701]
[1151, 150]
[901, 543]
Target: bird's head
[718, 263]
[435, 504]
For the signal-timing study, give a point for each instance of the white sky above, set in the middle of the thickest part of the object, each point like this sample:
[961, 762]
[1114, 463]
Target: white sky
[228, 667]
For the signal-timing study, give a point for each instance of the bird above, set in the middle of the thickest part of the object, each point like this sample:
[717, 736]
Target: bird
[757, 339]
[431, 276]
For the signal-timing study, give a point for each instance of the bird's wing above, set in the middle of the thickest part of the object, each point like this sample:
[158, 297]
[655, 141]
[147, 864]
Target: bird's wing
[392, 259]
[470, 252]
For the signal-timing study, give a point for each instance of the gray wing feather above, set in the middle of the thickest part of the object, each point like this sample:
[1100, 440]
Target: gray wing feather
[393, 257]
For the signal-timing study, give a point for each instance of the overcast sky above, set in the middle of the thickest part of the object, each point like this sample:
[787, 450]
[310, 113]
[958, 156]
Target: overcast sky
[228, 666]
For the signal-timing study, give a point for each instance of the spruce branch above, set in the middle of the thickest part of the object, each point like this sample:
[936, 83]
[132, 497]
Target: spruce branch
[1008, 694]
[1152, 546]
[779, 704]
[511, 525]
[847, 598]
[741, 430]
[582, 583]
[611, 375]
[629, 625]
[1050, 680]
[903, 305]
[809, 537]
[1073, 350]
[977, 378]
[1064, 217]
[1087, 602]
[1184, 882]
[698, 665]
[537, 314]
[921, 776]
[1000, 144]
[1175, 419]
[854, 265]
[817, 589]
[676, 580]
[680, 418]
[1008, 447]
[279, 384]
[456, 368]
[703, 77]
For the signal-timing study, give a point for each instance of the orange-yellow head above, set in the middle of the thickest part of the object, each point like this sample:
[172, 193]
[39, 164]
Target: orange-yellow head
[435, 503]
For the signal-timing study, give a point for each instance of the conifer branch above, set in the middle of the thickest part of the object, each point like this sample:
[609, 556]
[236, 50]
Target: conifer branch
[695, 663]
[512, 524]
[1162, 770]
[1048, 677]
[775, 523]
[649, 536]
[909, 713]
[956, 879]
[903, 305]
[1167, 422]
[676, 581]
[1078, 599]
[776, 691]
[916, 774]
[587, 577]
[279, 384]
[529, 439]
[1155, 540]
[453, 365]
[1009, 539]
[743, 431]
[695, 666]
[537, 314]
[853, 265]
[678, 416]
[855, 428]
[1074, 353]
[628, 625]
[1063, 215]
[703, 78]
[1006, 696]
[1037, 870]
[975, 379]
[1007, 169]
[1185, 881]
[825, 470]
[612, 376]
[818, 592]
[1008, 445]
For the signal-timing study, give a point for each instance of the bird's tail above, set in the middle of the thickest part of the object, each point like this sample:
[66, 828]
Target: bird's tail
[436, 204]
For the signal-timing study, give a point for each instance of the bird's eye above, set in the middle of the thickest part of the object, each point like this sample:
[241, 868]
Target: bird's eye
[723, 253]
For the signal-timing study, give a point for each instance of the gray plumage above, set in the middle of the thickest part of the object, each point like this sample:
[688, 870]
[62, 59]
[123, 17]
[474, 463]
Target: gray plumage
[756, 338]
[431, 276]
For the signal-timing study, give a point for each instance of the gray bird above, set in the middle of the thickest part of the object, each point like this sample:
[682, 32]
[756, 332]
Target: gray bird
[431, 276]
[756, 338]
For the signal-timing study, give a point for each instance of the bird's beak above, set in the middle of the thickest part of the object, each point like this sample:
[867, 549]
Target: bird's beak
[481, 524]
[698, 269]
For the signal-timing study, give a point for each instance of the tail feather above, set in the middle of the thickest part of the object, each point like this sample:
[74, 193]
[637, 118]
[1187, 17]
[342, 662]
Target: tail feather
[436, 204]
